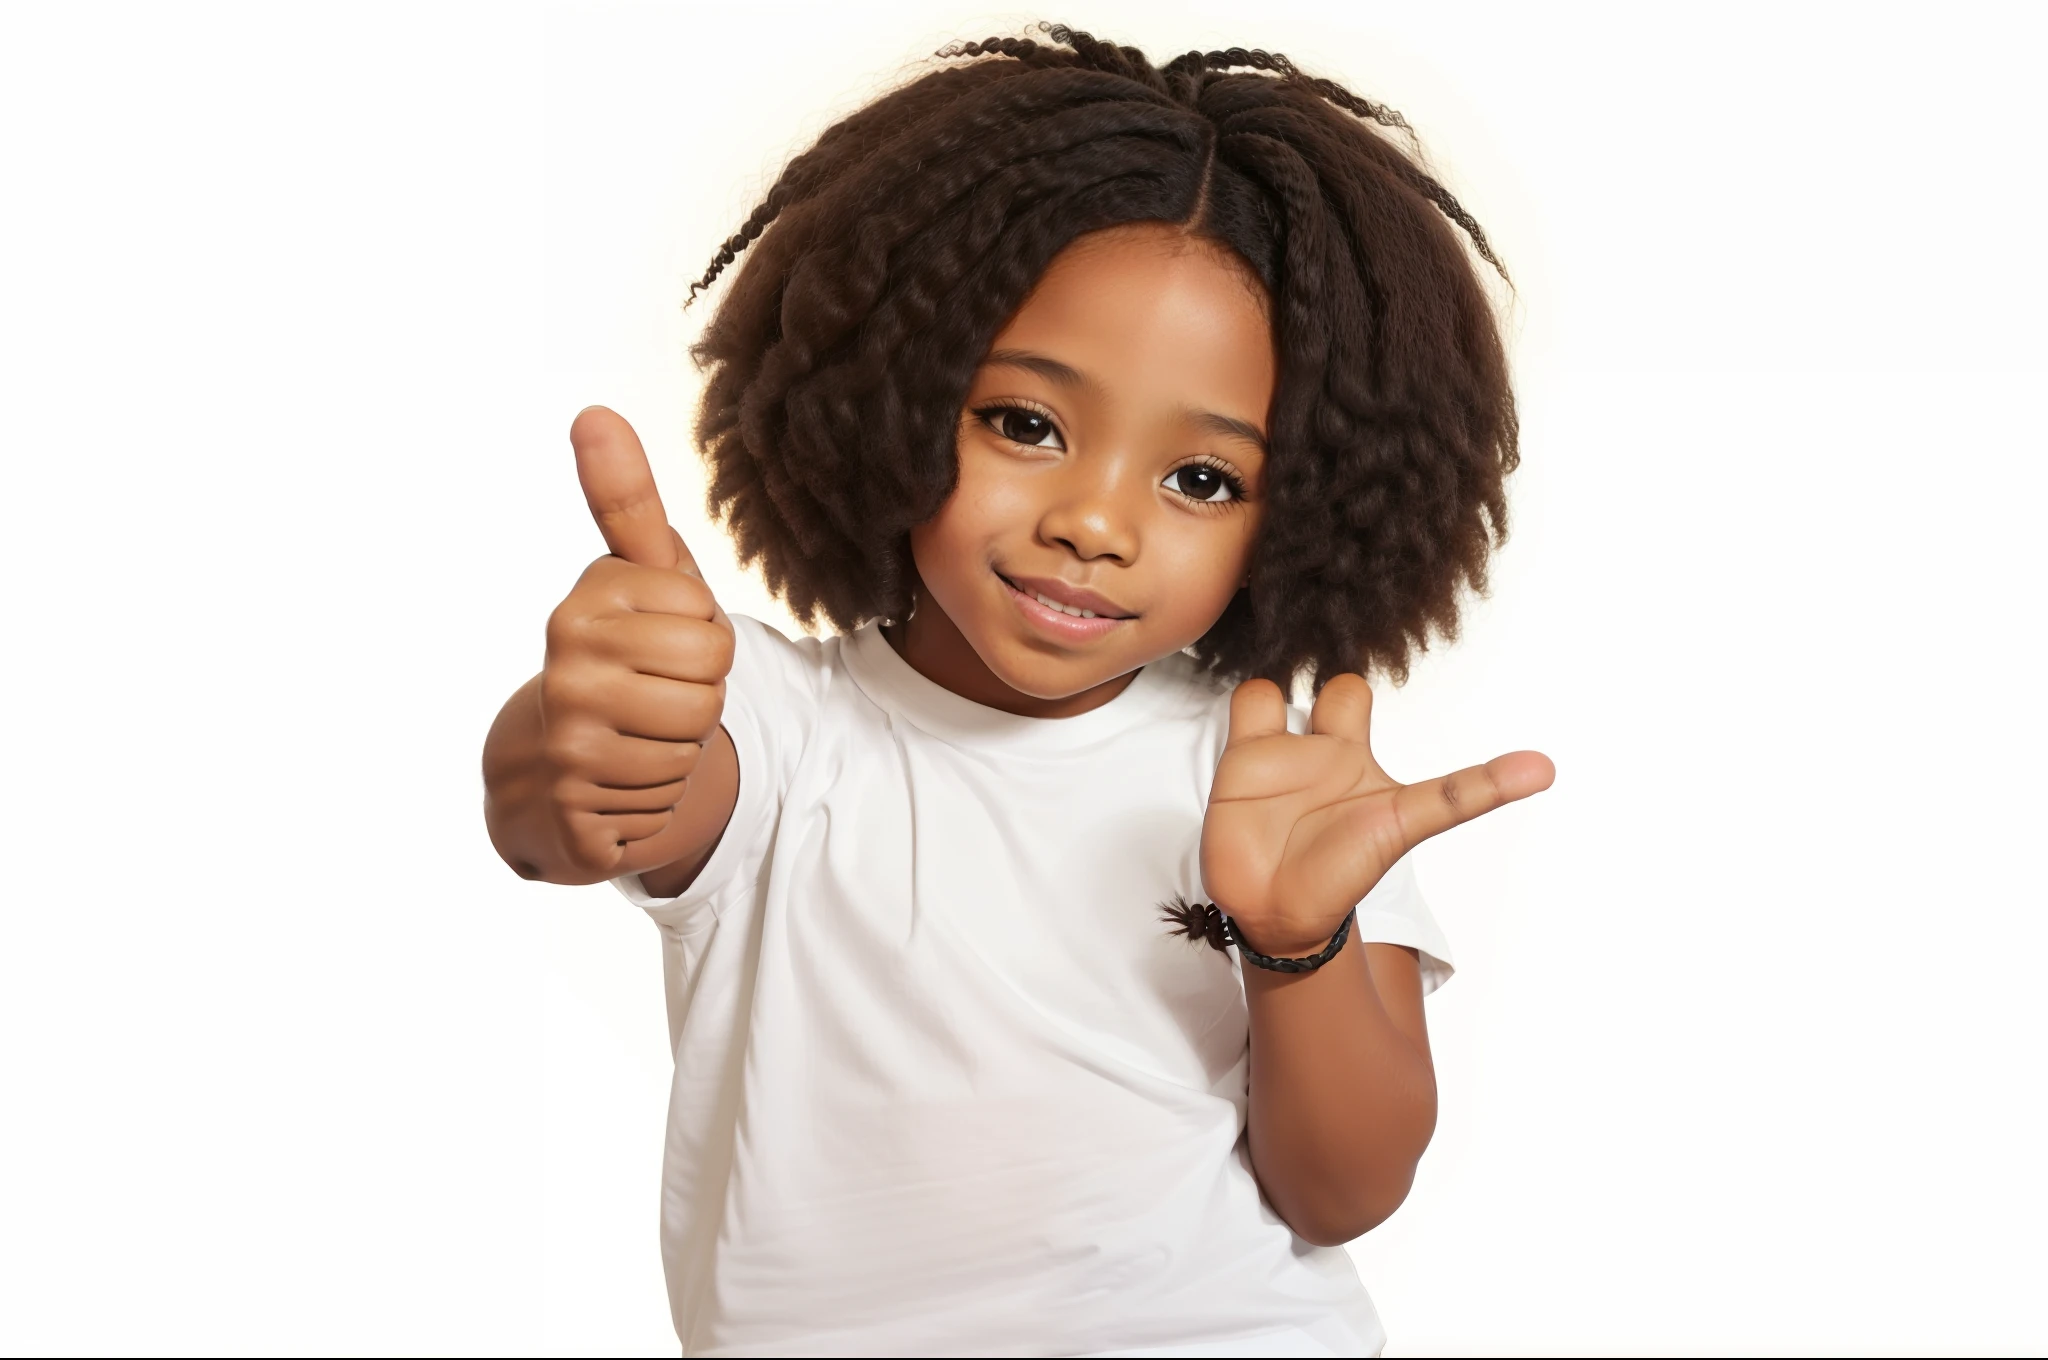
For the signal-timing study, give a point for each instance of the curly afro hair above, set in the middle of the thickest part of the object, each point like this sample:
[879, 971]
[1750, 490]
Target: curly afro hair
[905, 238]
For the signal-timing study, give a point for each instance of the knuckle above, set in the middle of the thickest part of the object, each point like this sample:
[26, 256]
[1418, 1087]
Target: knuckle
[654, 590]
[701, 709]
[694, 598]
[579, 690]
[568, 625]
[677, 762]
[719, 648]
[662, 637]
[662, 773]
[562, 689]
[601, 573]
[703, 653]
[569, 746]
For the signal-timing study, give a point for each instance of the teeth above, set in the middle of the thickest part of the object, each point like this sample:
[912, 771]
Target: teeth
[1063, 608]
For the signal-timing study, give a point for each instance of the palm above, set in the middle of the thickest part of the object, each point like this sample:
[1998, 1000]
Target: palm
[1299, 828]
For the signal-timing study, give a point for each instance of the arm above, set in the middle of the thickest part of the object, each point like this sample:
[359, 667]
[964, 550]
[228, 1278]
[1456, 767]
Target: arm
[1299, 829]
[612, 760]
[1343, 1095]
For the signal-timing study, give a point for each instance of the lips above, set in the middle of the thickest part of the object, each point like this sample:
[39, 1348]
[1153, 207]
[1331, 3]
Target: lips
[1071, 600]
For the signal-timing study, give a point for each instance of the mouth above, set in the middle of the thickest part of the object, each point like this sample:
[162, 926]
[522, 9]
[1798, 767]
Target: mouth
[1067, 612]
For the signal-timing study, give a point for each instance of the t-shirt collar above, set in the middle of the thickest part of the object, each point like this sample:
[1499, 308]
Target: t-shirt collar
[901, 691]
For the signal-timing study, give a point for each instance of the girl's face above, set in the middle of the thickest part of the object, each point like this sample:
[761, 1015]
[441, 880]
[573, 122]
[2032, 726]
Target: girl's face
[1112, 456]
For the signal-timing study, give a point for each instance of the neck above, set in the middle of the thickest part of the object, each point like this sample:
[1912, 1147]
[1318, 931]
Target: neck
[933, 646]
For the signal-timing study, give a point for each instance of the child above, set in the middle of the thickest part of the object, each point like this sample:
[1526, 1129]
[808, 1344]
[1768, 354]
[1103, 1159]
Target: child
[1073, 392]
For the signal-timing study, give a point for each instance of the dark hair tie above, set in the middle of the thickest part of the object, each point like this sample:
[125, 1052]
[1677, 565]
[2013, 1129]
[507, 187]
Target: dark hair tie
[1206, 921]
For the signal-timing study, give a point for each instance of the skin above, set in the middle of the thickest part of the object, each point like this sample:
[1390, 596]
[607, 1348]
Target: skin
[1112, 456]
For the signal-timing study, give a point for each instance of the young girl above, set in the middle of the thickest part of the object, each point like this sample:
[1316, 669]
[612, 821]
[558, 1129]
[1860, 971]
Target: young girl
[1033, 990]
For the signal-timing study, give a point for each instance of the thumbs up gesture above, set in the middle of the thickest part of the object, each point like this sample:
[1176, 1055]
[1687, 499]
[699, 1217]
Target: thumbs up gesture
[633, 686]
[1299, 828]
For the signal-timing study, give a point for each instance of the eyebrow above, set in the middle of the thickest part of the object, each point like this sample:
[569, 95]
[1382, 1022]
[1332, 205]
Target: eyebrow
[1066, 375]
[1050, 369]
[1230, 427]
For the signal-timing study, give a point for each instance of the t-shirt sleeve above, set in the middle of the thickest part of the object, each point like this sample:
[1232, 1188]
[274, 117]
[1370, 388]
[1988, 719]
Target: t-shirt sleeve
[772, 697]
[1394, 912]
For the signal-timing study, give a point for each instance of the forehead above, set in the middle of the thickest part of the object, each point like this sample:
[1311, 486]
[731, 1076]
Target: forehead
[1152, 314]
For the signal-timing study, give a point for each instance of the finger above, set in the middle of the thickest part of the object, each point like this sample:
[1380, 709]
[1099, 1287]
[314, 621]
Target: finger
[686, 563]
[619, 488]
[1432, 808]
[605, 698]
[598, 835]
[653, 800]
[1257, 709]
[1344, 709]
[692, 650]
[638, 826]
[612, 584]
[590, 843]
[655, 709]
[593, 756]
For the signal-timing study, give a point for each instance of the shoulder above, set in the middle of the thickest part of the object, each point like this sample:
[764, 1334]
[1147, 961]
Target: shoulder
[1204, 696]
[752, 632]
[778, 685]
[761, 652]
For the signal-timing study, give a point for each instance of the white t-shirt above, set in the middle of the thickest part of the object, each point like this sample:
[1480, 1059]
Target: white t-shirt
[944, 1082]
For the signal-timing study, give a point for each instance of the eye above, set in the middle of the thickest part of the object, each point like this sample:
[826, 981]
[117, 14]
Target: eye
[1021, 425]
[1205, 482]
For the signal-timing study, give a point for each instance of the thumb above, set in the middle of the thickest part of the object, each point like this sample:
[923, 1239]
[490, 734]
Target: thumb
[1430, 809]
[619, 487]
[1257, 709]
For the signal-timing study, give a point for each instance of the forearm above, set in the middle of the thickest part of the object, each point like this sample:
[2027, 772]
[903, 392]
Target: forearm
[1343, 1093]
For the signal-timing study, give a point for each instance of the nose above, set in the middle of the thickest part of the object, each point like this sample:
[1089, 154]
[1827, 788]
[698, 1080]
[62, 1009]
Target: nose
[1094, 512]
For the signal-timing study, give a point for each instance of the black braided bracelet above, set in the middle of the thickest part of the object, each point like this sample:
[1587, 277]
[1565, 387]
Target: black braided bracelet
[1303, 965]
[1203, 921]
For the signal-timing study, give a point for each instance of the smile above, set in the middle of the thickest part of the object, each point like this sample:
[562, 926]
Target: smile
[1050, 603]
[1065, 611]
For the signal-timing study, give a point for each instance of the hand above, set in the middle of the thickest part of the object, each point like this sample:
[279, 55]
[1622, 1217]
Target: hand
[637, 655]
[1300, 828]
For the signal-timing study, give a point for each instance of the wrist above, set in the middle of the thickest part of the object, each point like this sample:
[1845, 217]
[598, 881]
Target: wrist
[1290, 964]
[1206, 921]
[1279, 941]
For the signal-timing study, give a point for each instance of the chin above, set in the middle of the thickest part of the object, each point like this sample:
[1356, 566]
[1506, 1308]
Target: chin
[1051, 675]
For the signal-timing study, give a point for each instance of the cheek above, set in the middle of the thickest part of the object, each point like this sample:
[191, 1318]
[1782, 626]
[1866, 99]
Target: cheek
[983, 509]
[937, 547]
[1205, 571]
[1213, 556]
[954, 542]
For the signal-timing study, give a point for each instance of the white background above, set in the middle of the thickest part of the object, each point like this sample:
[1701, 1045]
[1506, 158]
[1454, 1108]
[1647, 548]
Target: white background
[296, 304]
